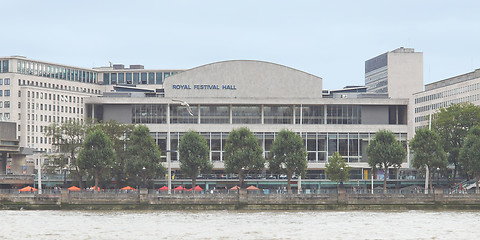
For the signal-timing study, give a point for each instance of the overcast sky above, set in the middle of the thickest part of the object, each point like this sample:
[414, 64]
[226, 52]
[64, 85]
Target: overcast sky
[330, 39]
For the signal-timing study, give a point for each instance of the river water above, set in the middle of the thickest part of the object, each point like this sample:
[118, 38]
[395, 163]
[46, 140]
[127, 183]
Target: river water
[240, 225]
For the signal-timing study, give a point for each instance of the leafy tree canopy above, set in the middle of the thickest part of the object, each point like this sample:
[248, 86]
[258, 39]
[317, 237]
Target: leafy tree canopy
[194, 155]
[97, 154]
[470, 154]
[242, 153]
[384, 151]
[288, 155]
[453, 124]
[142, 153]
[333, 168]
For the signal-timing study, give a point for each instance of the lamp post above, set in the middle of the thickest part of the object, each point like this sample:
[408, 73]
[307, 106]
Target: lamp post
[64, 176]
[341, 177]
[169, 149]
[438, 177]
[144, 177]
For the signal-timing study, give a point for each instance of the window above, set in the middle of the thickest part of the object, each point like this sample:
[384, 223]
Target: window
[1, 81]
[7, 81]
[1, 93]
[7, 93]
[6, 104]
[6, 115]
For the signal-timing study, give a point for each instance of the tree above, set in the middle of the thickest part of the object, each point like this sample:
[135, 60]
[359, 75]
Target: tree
[97, 154]
[193, 155]
[384, 151]
[119, 133]
[452, 124]
[336, 169]
[427, 152]
[470, 154]
[144, 156]
[67, 137]
[288, 155]
[242, 153]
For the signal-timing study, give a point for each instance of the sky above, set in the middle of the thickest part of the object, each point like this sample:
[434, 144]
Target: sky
[329, 39]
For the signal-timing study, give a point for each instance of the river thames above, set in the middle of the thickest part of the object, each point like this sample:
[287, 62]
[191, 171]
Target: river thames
[240, 225]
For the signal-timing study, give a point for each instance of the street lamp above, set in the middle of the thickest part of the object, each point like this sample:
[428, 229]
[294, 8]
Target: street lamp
[438, 177]
[144, 177]
[169, 150]
[65, 177]
[341, 177]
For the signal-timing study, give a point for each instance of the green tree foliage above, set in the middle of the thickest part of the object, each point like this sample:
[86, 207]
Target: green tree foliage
[242, 153]
[452, 124]
[470, 154]
[67, 138]
[97, 154]
[428, 151]
[144, 156]
[119, 133]
[288, 155]
[193, 155]
[333, 168]
[384, 151]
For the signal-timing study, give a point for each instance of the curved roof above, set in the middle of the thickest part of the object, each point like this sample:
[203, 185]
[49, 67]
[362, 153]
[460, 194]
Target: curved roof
[243, 79]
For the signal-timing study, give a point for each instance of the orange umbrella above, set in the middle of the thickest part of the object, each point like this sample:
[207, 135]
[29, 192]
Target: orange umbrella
[164, 188]
[28, 189]
[127, 188]
[235, 188]
[179, 188]
[252, 188]
[74, 188]
[198, 189]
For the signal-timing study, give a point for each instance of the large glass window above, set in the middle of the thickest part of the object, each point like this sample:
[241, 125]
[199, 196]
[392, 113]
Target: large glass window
[106, 78]
[128, 77]
[149, 113]
[136, 78]
[278, 114]
[151, 78]
[312, 114]
[5, 66]
[246, 115]
[180, 114]
[343, 114]
[159, 77]
[121, 78]
[144, 77]
[214, 114]
[113, 78]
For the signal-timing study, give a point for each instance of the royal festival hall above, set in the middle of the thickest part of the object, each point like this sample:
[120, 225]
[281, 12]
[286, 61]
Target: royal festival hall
[265, 97]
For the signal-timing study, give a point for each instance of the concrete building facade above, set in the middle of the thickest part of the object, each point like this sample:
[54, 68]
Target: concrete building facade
[264, 97]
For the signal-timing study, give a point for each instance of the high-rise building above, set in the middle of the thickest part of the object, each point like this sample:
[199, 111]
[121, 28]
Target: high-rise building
[398, 73]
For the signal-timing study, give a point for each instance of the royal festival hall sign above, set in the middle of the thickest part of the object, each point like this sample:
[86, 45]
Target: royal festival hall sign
[203, 87]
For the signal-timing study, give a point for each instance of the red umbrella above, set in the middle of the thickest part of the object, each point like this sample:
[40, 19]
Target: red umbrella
[179, 188]
[74, 189]
[164, 188]
[127, 188]
[252, 188]
[198, 189]
[235, 188]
